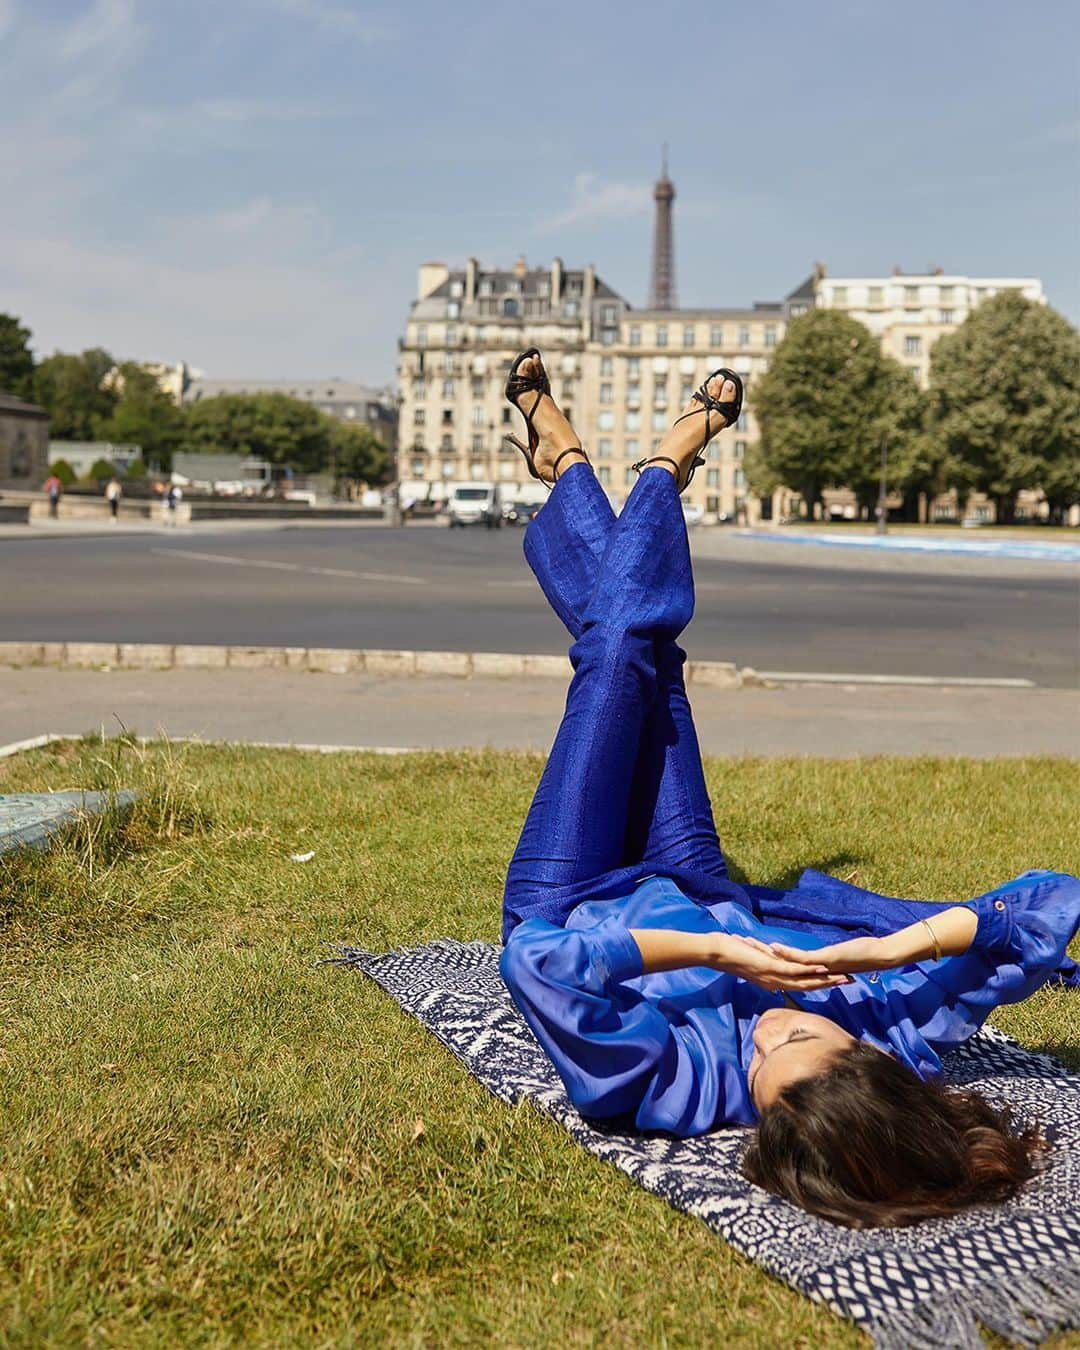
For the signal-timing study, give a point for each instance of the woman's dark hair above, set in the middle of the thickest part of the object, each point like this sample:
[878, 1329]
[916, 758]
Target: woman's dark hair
[868, 1144]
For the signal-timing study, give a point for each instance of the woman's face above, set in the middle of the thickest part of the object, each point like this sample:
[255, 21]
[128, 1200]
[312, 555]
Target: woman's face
[788, 1045]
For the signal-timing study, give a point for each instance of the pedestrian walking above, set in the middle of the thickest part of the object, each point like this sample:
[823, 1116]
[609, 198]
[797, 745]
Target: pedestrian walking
[113, 493]
[54, 490]
[173, 497]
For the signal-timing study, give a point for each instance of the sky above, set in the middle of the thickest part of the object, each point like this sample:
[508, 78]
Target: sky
[250, 185]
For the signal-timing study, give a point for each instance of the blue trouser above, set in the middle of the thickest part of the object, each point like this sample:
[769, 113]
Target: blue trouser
[623, 784]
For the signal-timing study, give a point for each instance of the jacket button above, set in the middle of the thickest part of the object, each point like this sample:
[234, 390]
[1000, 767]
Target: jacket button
[999, 904]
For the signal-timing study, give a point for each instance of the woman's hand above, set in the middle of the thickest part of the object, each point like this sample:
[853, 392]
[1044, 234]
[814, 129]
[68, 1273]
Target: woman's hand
[769, 968]
[840, 958]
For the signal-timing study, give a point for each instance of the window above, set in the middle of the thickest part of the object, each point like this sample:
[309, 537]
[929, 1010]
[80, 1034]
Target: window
[740, 478]
[661, 334]
[712, 504]
[839, 295]
[420, 389]
[417, 468]
[796, 310]
[948, 316]
[607, 366]
[688, 335]
[448, 468]
[712, 477]
[477, 388]
[447, 442]
[743, 422]
[350, 411]
[477, 444]
[605, 393]
[629, 475]
[421, 336]
[451, 335]
[911, 295]
[659, 365]
[450, 362]
[633, 367]
[633, 420]
[740, 449]
[945, 295]
[744, 335]
[912, 346]
[448, 417]
[603, 448]
[607, 315]
[635, 335]
[485, 285]
[659, 396]
[685, 393]
[418, 417]
[605, 421]
[511, 309]
[633, 395]
[603, 474]
[633, 445]
[770, 335]
[608, 336]
[876, 296]
[448, 388]
[457, 287]
[506, 416]
[453, 310]
[659, 421]
[716, 335]
[571, 309]
[478, 416]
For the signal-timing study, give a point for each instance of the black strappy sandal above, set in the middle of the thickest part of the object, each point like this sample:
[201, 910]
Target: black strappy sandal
[729, 410]
[518, 385]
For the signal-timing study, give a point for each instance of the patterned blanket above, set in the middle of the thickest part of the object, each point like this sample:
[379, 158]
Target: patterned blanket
[1014, 1267]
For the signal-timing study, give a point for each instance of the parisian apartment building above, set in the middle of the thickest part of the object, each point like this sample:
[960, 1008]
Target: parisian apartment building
[622, 374]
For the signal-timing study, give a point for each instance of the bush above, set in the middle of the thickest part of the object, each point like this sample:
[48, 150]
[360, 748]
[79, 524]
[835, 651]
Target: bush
[136, 469]
[63, 471]
[100, 469]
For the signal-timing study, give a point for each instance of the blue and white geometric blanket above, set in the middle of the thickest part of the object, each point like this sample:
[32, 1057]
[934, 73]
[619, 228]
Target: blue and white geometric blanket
[1013, 1267]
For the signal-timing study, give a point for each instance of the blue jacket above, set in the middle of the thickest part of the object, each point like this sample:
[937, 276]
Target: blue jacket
[672, 1049]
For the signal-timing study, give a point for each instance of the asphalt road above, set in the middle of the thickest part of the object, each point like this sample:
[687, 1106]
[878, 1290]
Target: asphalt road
[444, 589]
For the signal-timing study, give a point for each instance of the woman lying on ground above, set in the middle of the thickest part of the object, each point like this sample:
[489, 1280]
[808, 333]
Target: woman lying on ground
[669, 995]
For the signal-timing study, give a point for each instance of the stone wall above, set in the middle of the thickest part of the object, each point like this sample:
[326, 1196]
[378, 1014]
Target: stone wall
[24, 444]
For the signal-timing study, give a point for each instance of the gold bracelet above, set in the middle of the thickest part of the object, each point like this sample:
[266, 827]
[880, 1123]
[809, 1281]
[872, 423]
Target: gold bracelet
[933, 938]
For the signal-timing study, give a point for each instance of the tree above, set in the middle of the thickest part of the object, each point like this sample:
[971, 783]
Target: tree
[16, 359]
[63, 471]
[357, 453]
[144, 415]
[1005, 402]
[274, 427]
[824, 404]
[99, 470]
[136, 469]
[73, 391]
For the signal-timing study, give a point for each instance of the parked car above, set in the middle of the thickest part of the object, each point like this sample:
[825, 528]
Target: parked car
[474, 504]
[517, 512]
[693, 514]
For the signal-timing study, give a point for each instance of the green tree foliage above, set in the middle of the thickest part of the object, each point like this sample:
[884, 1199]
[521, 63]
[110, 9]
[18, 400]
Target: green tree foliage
[1005, 402]
[63, 471]
[144, 415]
[357, 453]
[100, 470]
[136, 469]
[274, 427]
[824, 405]
[74, 392]
[16, 359]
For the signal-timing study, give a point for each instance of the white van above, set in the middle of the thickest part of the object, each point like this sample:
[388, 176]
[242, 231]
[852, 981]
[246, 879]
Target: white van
[474, 504]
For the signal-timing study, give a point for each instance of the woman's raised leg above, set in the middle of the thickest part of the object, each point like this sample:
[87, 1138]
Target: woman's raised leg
[577, 825]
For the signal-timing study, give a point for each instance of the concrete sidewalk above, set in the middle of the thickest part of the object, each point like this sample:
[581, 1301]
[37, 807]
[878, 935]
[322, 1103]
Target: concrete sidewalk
[284, 706]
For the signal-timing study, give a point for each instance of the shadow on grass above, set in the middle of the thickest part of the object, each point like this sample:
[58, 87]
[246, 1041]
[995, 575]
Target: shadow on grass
[841, 864]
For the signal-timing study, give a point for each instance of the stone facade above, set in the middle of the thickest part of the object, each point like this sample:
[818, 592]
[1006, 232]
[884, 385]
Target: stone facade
[24, 444]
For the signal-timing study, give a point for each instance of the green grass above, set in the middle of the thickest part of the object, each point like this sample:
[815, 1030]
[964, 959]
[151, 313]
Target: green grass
[208, 1140]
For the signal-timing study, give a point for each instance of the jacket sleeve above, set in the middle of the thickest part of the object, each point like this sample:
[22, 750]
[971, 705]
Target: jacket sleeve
[614, 1050]
[1023, 930]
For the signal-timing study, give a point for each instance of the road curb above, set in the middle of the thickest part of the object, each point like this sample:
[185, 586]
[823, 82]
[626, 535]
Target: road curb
[329, 660]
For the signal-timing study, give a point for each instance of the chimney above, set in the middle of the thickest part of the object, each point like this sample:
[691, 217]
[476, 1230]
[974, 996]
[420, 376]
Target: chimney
[470, 280]
[589, 284]
[521, 266]
[819, 272]
[431, 277]
[556, 280]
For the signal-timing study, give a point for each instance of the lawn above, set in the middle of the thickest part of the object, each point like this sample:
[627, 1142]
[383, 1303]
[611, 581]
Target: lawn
[208, 1139]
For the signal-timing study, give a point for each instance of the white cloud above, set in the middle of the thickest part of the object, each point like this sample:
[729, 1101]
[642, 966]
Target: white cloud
[337, 20]
[594, 201]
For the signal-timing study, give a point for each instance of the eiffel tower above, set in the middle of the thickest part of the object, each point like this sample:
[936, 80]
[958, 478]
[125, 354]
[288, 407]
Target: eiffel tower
[662, 282]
